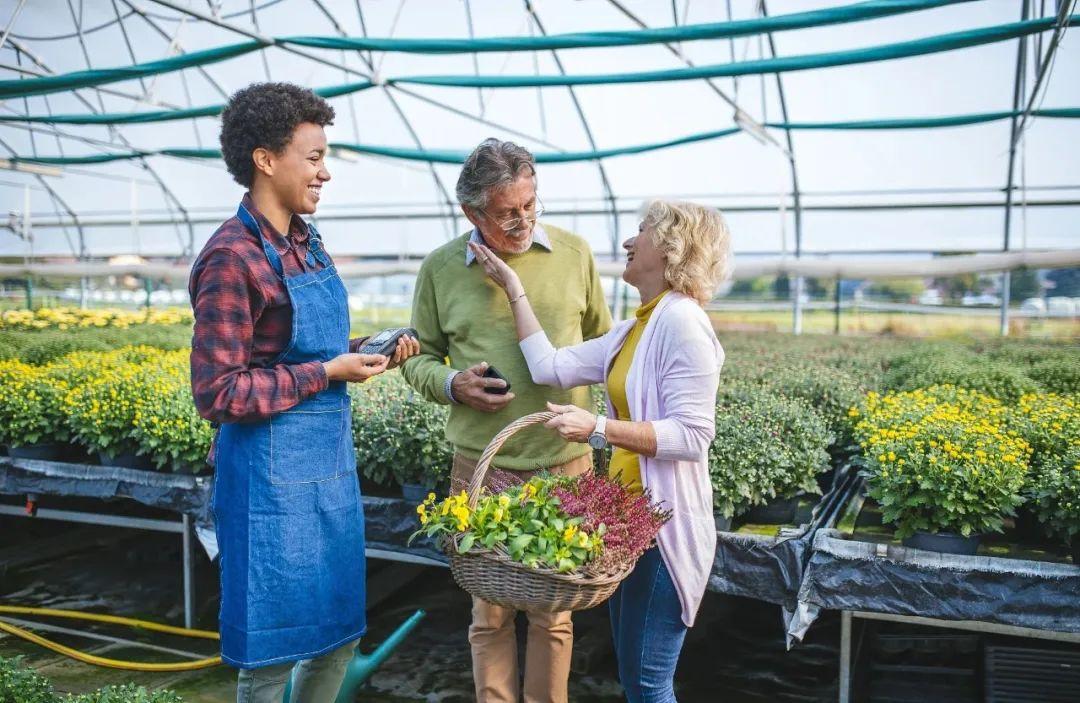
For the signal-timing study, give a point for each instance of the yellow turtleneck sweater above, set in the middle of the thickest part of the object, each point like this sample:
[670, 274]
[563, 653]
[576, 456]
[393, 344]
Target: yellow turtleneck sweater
[625, 466]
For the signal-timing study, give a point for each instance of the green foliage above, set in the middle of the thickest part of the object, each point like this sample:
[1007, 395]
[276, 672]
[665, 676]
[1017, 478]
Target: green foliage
[899, 289]
[398, 434]
[1066, 282]
[19, 684]
[22, 685]
[1024, 283]
[1058, 375]
[766, 446]
[1051, 424]
[127, 693]
[940, 365]
[1054, 492]
[828, 390]
[40, 347]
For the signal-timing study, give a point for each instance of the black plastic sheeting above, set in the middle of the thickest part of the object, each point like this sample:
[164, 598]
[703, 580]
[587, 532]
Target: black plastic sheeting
[761, 568]
[178, 492]
[846, 574]
[771, 568]
[388, 522]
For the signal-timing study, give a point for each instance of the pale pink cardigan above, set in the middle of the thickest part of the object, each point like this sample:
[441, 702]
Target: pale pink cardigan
[672, 383]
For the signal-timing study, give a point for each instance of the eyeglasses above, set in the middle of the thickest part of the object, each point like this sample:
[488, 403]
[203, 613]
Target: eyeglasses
[515, 222]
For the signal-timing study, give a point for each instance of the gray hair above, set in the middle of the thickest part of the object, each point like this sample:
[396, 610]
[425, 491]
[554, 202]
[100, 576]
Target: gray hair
[492, 165]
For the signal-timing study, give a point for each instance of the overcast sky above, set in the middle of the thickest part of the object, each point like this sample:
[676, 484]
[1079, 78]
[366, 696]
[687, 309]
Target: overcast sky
[734, 171]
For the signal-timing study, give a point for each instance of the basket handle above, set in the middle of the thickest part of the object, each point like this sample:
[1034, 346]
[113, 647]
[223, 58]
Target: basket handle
[495, 445]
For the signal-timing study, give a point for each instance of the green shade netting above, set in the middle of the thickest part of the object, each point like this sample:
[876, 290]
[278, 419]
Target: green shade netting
[457, 156]
[579, 40]
[917, 47]
[25, 87]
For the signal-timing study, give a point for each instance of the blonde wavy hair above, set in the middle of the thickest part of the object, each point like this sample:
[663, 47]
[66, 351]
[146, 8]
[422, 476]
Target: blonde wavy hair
[695, 242]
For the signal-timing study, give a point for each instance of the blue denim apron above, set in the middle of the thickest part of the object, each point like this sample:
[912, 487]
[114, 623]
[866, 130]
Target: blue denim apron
[287, 507]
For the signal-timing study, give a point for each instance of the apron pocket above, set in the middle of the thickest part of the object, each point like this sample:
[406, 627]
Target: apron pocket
[306, 443]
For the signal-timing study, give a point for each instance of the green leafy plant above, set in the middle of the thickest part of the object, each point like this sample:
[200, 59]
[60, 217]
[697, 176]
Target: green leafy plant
[828, 390]
[766, 446]
[945, 365]
[940, 460]
[1051, 425]
[1058, 375]
[126, 693]
[19, 684]
[399, 435]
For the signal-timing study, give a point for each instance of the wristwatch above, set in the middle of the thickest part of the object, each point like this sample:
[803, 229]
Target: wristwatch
[598, 440]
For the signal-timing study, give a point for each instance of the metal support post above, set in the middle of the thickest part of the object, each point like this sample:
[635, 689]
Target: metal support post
[845, 657]
[1006, 284]
[836, 308]
[796, 318]
[189, 573]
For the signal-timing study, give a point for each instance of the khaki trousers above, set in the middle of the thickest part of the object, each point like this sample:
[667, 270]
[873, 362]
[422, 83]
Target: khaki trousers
[493, 637]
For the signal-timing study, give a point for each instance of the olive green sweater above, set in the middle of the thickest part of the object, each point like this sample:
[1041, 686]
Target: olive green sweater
[463, 318]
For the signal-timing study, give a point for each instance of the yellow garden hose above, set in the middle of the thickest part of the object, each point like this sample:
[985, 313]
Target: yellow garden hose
[114, 620]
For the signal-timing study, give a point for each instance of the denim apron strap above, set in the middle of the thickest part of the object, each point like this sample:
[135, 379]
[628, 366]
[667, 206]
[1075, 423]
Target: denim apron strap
[287, 498]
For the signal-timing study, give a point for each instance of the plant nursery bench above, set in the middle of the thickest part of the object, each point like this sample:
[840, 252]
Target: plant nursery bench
[1006, 589]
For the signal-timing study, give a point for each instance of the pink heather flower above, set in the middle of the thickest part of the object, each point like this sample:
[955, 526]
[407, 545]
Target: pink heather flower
[631, 521]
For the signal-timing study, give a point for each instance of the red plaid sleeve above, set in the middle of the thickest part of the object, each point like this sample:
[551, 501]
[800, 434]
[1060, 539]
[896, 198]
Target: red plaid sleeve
[227, 302]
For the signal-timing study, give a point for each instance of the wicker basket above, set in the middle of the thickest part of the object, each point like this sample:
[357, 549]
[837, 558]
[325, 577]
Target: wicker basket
[491, 575]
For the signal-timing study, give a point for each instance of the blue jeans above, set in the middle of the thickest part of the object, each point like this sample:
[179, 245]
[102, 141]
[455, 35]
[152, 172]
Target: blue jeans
[647, 626]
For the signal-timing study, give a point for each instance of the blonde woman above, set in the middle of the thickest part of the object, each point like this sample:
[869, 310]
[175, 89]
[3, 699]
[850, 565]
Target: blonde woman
[661, 371]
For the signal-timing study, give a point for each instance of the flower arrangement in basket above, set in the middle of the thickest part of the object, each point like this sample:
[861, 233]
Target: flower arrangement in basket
[552, 543]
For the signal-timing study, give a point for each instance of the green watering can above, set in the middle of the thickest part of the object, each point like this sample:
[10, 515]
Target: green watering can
[364, 665]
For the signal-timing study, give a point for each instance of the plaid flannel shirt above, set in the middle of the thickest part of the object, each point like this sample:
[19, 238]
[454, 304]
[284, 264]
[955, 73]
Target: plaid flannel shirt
[243, 321]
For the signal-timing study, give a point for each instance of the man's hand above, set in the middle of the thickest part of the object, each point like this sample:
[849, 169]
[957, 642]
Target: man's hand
[355, 368]
[468, 389]
[406, 347]
[572, 423]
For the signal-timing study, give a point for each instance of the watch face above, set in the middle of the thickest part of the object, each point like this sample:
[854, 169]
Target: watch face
[597, 441]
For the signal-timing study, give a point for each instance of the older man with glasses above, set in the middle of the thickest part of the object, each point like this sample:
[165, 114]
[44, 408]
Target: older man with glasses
[465, 326]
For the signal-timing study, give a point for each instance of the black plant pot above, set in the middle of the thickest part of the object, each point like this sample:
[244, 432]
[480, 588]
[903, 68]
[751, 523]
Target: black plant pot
[944, 542]
[723, 524]
[825, 480]
[1028, 527]
[415, 492]
[43, 451]
[778, 511]
[126, 460]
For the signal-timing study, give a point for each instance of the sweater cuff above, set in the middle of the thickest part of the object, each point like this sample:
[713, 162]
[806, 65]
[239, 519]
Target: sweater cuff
[310, 378]
[668, 443]
[535, 347]
[448, 390]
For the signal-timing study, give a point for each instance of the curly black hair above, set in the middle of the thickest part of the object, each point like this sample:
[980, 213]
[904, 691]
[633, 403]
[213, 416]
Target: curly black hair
[266, 115]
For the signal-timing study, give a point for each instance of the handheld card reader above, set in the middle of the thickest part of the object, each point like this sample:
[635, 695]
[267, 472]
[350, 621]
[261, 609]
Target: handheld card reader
[385, 342]
[492, 372]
